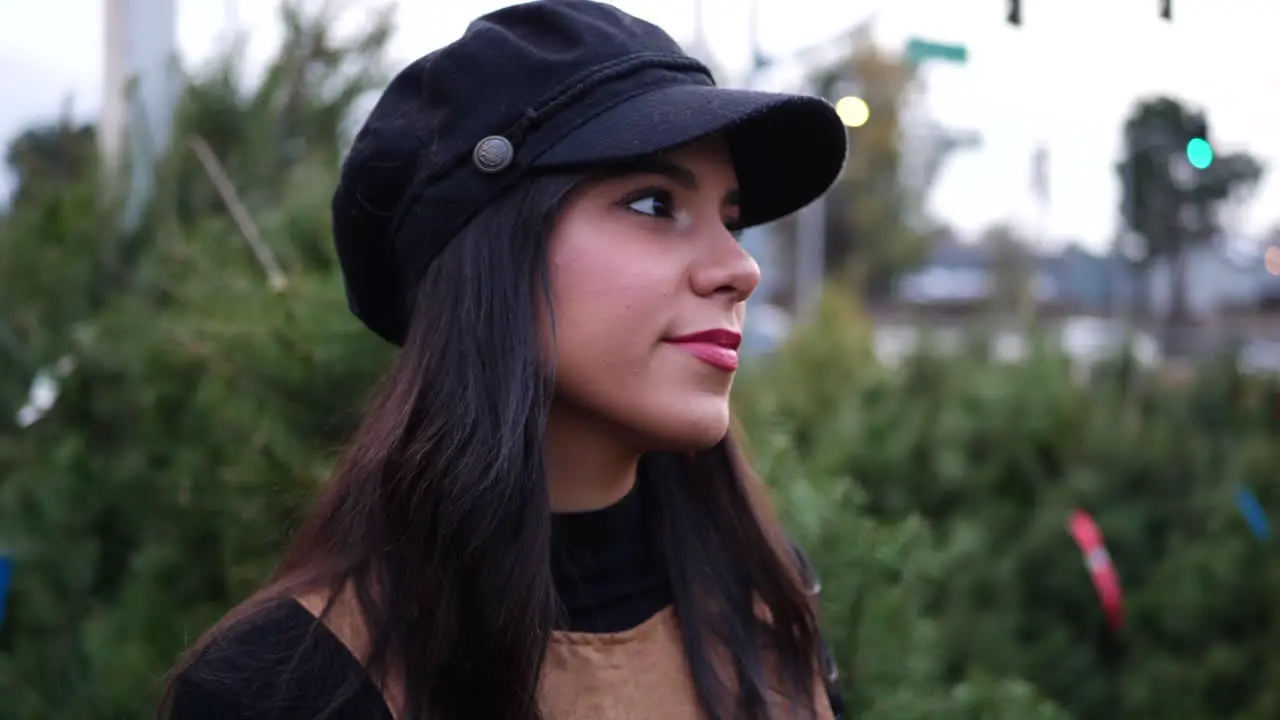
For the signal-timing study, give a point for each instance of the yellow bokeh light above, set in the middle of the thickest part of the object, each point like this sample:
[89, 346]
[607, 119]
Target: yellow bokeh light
[853, 111]
[1272, 260]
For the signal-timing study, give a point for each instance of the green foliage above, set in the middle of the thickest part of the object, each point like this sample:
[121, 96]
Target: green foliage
[988, 459]
[204, 408]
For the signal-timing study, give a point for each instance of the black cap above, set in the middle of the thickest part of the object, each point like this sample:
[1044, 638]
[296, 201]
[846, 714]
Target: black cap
[540, 85]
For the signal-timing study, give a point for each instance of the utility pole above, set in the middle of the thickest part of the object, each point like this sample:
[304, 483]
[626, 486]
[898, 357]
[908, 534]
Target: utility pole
[811, 221]
[141, 85]
[759, 241]
[811, 251]
[811, 245]
[810, 239]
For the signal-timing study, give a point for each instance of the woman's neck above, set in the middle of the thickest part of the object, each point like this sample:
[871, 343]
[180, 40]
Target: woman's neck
[588, 466]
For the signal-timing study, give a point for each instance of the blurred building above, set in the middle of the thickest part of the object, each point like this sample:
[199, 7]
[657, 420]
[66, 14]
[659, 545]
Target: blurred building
[1086, 300]
[1218, 282]
[962, 276]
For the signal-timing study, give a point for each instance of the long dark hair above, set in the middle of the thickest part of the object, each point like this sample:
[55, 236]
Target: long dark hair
[437, 523]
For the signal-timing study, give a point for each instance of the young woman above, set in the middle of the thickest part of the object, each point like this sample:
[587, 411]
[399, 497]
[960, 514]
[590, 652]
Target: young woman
[544, 513]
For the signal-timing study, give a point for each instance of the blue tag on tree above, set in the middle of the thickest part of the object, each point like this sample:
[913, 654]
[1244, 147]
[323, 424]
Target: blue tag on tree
[1253, 513]
[6, 574]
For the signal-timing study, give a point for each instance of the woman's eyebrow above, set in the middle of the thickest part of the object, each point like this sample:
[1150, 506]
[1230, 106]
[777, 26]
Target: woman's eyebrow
[674, 171]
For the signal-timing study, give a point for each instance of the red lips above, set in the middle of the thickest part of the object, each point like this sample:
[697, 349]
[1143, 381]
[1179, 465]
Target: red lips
[717, 348]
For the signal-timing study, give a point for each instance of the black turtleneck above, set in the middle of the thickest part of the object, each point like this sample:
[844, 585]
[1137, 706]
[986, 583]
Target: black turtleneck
[609, 571]
[607, 565]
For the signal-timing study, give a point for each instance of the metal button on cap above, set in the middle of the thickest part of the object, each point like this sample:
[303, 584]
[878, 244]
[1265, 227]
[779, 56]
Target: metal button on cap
[493, 154]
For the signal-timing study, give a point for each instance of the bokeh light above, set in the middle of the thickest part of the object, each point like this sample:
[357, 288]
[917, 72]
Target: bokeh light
[853, 111]
[1272, 260]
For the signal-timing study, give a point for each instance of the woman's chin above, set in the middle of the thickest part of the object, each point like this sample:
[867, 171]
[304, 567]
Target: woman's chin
[692, 428]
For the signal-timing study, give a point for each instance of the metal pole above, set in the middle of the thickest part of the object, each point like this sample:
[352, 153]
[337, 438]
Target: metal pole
[757, 241]
[810, 270]
[114, 76]
[811, 231]
[231, 12]
[699, 38]
[140, 91]
[1138, 269]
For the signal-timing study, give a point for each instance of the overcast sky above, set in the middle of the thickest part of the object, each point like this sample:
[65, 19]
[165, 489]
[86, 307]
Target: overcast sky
[1065, 80]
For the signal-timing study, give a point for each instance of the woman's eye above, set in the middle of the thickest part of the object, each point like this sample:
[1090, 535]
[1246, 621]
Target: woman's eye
[654, 204]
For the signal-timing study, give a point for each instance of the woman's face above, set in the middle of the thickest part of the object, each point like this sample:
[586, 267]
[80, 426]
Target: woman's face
[648, 286]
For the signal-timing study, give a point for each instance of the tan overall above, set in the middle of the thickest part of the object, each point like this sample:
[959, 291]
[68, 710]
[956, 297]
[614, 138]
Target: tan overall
[637, 674]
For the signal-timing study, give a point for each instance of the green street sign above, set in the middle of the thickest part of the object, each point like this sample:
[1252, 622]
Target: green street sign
[919, 50]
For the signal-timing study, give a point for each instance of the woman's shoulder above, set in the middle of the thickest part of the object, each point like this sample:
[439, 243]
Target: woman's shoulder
[279, 663]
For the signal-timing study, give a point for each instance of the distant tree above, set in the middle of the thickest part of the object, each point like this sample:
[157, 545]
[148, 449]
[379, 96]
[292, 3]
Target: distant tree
[1012, 268]
[49, 156]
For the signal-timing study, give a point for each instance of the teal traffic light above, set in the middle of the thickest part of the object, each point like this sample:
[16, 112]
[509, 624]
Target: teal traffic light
[1199, 153]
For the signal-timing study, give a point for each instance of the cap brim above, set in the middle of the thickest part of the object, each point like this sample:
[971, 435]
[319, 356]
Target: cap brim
[787, 149]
